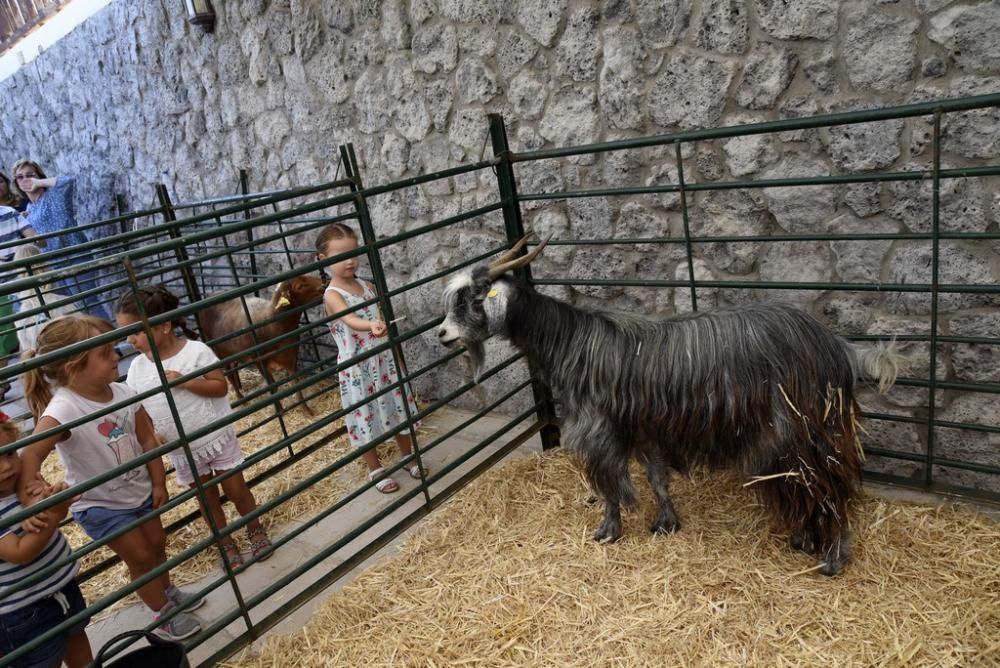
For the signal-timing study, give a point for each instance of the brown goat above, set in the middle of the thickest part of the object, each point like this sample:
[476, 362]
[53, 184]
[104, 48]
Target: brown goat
[228, 317]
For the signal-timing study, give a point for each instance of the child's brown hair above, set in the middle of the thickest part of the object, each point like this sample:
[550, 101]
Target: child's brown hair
[155, 300]
[331, 232]
[55, 335]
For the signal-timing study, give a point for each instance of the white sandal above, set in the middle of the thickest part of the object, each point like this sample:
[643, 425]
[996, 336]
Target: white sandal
[385, 484]
[412, 468]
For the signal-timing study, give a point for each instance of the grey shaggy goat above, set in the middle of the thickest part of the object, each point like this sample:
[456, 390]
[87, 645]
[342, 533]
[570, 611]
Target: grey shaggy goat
[765, 389]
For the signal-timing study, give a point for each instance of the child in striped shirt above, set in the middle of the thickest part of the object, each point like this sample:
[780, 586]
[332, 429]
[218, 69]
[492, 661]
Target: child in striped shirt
[27, 612]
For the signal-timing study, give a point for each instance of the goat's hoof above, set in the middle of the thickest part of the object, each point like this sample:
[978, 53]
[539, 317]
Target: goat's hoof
[831, 566]
[802, 540]
[665, 527]
[607, 534]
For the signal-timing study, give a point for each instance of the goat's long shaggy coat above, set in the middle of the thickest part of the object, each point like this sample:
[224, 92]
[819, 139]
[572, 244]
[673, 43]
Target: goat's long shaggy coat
[764, 388]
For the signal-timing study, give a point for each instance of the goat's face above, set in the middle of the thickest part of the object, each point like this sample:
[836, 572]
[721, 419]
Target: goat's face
[475, 308]
[298, 291]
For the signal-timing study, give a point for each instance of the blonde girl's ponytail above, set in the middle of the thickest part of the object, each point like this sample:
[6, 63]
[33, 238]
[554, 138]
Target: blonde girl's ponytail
[55, 335]
[36, 389]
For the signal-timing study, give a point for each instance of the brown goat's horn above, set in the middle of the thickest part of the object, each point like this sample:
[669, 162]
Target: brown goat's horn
[513, 252]
[503, 265]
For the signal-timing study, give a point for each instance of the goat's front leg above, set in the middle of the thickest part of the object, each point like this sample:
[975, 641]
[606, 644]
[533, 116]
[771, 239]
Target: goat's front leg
[659, 479]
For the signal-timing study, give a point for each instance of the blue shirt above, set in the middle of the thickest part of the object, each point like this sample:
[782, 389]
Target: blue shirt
[55, 212]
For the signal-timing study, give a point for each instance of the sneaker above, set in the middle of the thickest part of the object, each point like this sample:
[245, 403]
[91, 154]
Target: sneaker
[183, 600]
[180, 626]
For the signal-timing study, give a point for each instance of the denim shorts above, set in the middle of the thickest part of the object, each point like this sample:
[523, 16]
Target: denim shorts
[18, 628]
[99, 522]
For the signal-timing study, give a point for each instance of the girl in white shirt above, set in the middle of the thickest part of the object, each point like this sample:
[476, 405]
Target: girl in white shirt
[85, 383]
[199, 401]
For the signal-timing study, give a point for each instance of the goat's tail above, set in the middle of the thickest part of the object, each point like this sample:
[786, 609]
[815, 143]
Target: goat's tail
[880, 363]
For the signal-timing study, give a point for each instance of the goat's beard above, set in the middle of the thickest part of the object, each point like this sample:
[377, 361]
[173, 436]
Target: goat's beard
[477, 356]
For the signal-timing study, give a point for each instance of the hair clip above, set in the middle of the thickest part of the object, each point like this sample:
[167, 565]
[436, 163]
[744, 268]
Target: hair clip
[4, 417]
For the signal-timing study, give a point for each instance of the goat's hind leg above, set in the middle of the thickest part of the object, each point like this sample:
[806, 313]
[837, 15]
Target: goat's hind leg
[820, 528]
[658, 473]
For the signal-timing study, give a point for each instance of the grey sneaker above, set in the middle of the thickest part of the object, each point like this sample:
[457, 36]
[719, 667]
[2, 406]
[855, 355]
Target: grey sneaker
[181, 626]
[183, 600]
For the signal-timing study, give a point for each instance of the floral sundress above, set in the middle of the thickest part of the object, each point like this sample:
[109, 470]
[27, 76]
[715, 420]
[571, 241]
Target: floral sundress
[361, 380]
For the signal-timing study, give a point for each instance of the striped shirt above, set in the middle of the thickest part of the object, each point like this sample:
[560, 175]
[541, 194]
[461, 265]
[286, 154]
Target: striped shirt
[11, 223]
[11, 574]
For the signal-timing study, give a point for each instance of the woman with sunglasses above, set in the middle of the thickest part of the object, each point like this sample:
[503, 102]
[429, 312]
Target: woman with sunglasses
[51, 212]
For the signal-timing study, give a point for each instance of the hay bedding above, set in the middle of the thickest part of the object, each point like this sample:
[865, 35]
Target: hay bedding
[507, 574]
[207, 561]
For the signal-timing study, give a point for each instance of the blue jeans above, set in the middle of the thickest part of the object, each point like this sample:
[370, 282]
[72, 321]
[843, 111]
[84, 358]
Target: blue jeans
[99, 522]
[20, 627]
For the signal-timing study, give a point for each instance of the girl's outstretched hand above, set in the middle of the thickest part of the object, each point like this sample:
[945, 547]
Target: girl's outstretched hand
[378, 328]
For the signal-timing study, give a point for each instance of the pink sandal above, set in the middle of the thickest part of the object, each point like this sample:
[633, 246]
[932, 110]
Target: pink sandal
[259, 543]
[233, 554]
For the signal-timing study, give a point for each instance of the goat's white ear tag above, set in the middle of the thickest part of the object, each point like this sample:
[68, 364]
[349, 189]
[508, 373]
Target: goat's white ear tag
[283, 301]
[492, 293]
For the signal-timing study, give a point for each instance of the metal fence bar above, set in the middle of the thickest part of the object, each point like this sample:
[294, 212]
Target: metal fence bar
[687, 228]
[514, 227]
[349, 160]
[768, 127]
[935, 274]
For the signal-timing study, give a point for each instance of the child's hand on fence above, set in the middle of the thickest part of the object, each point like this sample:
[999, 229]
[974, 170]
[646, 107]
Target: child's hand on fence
[172, 375]
[60, 510]
[378, 328]
[160, 495]
[160, 438]
[37, 491]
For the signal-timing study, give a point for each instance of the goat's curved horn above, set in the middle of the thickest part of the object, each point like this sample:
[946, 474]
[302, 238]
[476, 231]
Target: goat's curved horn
[513, 252]
[503, 265]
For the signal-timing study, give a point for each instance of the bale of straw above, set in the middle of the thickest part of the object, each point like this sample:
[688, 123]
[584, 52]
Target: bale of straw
[507, 575]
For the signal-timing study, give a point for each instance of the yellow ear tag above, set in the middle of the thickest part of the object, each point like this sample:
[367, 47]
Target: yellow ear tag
[492, 293]
[283, 301]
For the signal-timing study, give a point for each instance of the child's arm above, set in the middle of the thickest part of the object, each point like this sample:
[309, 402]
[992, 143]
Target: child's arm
[31, 485]
[212, 384]
[25, 548]
[335, 304]
[32, 457]
[147, 439]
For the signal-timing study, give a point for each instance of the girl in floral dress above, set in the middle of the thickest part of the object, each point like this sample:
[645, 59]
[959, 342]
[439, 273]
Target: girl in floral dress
[354, 333]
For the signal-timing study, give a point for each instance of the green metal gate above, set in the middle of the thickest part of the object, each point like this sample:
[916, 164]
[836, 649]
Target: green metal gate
[241, 246]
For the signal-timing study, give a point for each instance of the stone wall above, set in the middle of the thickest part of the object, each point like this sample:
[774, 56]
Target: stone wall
[281, 83]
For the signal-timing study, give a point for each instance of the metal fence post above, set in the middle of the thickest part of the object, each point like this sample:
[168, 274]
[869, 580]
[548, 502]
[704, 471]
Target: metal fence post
[352, 171]
[169, 216]
[935, 259]
[247, 215]
[687, 229]
[514, 225]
